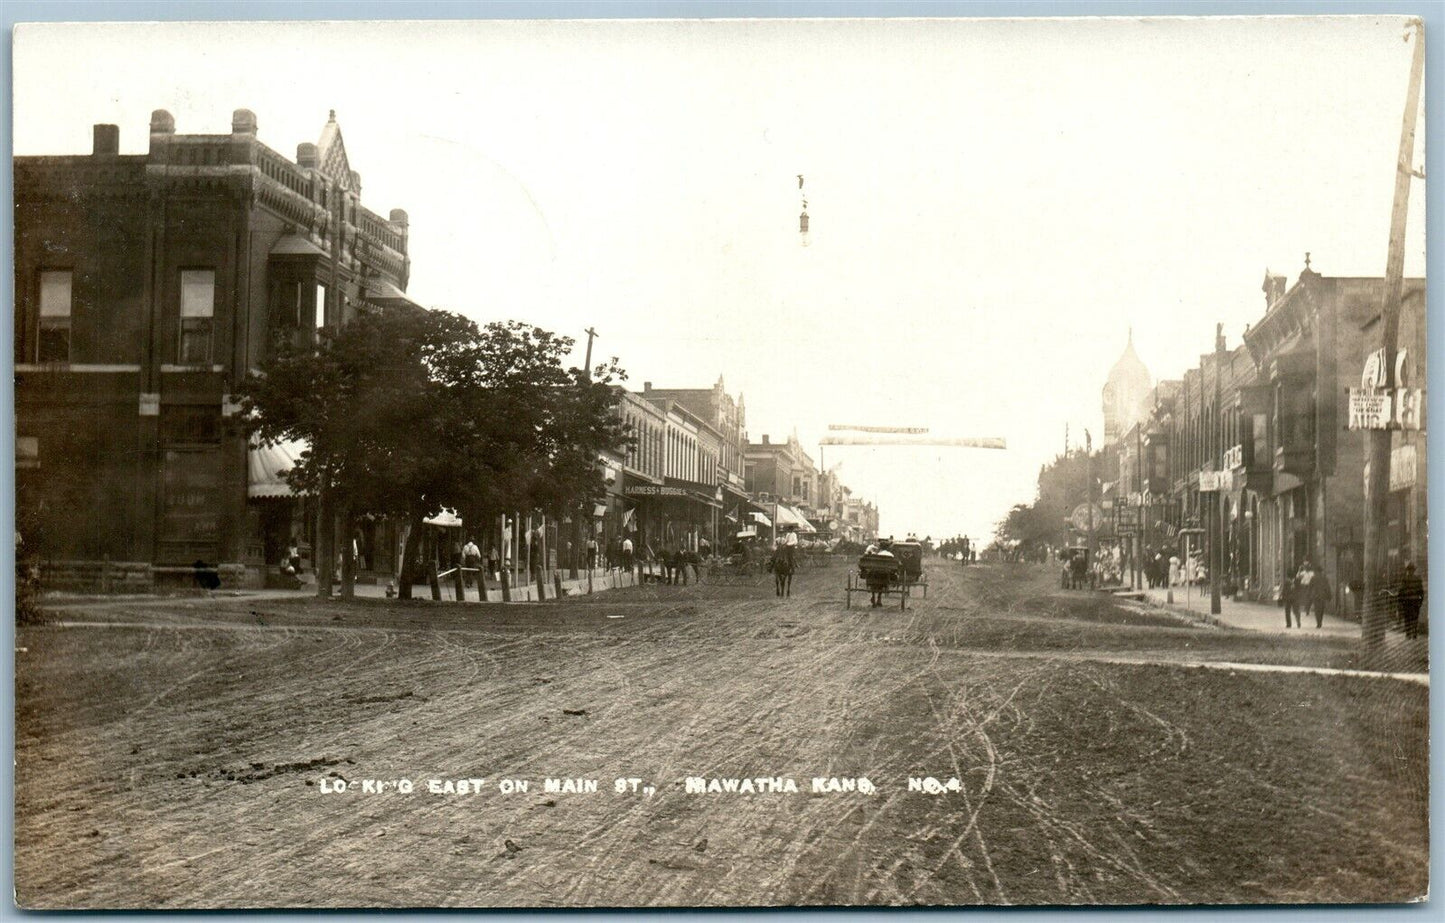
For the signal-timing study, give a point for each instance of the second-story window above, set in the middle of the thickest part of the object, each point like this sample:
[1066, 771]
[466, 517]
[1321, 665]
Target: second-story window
[55, 302]
[198, 313]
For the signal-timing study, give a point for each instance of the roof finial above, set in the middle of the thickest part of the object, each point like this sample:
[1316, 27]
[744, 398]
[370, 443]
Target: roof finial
[1307, 259]
[1131, 334]
[333, 116]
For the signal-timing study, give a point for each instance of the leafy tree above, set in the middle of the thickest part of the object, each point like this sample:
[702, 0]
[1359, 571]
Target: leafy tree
[408, 410]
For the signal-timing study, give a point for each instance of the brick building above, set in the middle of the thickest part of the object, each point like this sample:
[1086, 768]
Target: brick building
[147, 286]
[1289, 474]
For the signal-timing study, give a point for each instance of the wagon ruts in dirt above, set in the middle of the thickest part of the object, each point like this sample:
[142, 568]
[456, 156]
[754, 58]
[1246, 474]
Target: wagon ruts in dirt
[878, 574]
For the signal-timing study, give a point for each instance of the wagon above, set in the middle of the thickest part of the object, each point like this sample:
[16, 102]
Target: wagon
[736, 569]
[879, 568]
[910, 555]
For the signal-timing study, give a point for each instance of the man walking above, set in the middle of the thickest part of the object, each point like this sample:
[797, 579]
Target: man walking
[1410, 595]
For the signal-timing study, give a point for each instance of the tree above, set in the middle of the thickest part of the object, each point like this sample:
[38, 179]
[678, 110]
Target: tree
[408, 410]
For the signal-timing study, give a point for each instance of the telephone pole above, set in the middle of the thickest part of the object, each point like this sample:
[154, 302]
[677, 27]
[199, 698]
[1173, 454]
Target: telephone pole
[1089, 496]
[1377, 441]
[591, 334]
[1216, 526]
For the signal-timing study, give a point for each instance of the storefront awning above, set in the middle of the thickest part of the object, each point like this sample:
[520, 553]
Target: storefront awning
[382, 292]
[266, 467]
[787, 516]
[762, 520]
[296, 245]
[446, 519]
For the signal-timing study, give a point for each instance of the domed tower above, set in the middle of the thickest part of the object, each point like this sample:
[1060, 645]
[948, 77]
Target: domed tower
[1125, 393]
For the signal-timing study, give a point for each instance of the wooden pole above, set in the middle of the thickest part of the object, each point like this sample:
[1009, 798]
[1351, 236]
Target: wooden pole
[1377, 442]
[1216, 524]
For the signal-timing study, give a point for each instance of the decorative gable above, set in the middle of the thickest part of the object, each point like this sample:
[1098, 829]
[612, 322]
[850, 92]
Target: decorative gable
[332, 160]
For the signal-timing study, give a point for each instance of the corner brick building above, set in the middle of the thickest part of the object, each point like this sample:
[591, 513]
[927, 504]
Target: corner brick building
[146, 287]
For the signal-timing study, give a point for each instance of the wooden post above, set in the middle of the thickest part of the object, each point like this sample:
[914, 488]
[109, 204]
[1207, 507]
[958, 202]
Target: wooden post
[460, 582]
[1377, 442]
[348, 553]
[1216, 522]
[323, 553]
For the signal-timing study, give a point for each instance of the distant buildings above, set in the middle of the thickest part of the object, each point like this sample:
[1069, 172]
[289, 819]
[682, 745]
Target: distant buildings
[1276, 446]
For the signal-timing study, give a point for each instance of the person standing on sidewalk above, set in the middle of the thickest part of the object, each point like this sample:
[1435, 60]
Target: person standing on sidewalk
[1410, 595]
[1319, 597]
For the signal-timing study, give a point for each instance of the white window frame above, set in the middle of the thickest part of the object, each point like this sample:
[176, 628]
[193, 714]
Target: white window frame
[197, 313]
[55, 310]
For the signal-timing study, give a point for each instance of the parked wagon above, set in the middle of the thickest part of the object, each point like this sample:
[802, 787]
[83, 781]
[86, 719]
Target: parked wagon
[737, 568]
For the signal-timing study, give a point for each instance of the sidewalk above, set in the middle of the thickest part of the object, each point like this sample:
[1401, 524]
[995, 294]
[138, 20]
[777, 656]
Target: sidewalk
[601, 579]
[1250, 616]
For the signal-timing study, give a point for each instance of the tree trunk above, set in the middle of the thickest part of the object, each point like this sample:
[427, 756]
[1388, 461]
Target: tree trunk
[348, 552]
[408, 557]
[325, 546]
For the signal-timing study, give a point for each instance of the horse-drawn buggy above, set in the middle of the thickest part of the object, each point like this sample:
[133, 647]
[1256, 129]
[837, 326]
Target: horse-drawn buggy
[910, 555]
[742, 566]
[879, 574]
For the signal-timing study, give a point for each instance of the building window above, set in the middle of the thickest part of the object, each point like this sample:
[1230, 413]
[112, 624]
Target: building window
[320, 306]
[27, 452]
[198, 311]
[55, 302]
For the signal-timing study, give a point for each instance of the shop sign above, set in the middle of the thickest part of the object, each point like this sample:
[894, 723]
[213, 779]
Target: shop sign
[1373, 376]
[1234, 457]
[651, 490]
[1080, 517]
[1209, 481]
[1402, 467]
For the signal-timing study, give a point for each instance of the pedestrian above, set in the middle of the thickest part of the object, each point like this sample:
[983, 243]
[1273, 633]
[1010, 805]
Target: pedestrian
[592, 553]
[1303, 594]
[1319, 597]
[627, 553]
[1411, 594]
[878, 579]
[1287, 596]
[471, 561]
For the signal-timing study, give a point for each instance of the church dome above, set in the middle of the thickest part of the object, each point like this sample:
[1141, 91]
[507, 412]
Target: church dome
[1125, 392]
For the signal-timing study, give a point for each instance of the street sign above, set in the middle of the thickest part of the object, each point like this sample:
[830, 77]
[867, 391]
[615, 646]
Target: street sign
[1079, 519]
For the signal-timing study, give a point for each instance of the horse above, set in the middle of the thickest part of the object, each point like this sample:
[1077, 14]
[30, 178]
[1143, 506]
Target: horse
[783, 564]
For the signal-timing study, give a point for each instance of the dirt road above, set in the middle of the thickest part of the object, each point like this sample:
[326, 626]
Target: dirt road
[186, 754]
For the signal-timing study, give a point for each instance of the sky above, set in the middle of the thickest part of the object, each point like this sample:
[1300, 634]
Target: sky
[994, 204]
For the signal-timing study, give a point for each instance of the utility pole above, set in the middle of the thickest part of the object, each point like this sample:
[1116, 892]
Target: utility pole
[1216, 527]
[1377, 441]
[588, 361]
[1089, 497]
